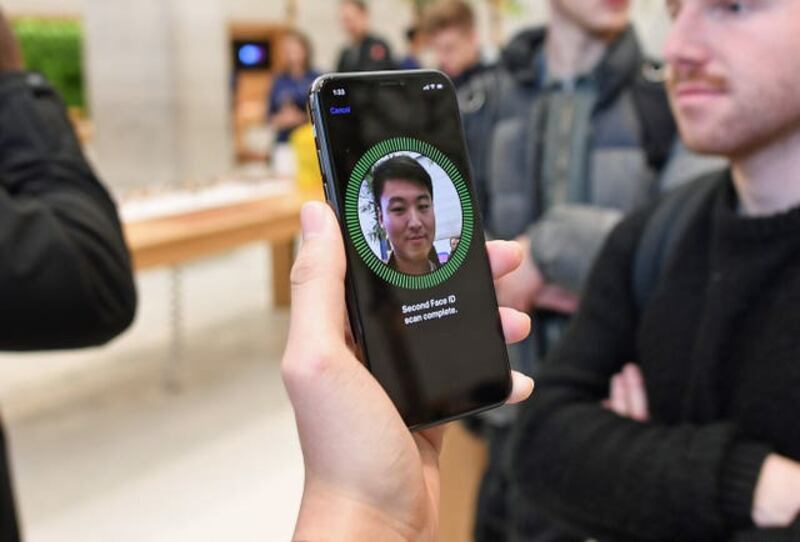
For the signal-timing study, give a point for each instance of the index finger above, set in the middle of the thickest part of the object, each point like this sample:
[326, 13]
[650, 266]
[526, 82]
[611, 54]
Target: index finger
[318, 307]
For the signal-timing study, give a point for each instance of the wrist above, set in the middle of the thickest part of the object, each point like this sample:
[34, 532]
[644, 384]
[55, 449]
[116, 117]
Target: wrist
[329, 516]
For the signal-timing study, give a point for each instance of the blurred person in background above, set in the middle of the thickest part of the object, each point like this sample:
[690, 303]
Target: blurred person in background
[65, 273]
[367, 477]
[691, 314]
[287, 98]
[449, 27]
[571, 131]
[415, 41]
[365, 52]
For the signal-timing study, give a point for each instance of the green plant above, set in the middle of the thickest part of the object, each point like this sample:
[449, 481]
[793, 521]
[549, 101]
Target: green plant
[54, 47]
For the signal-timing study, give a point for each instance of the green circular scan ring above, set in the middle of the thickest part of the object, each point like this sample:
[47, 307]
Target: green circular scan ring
[392, 276]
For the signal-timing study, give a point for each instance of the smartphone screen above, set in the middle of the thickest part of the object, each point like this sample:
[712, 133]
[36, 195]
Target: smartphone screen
[420, 291]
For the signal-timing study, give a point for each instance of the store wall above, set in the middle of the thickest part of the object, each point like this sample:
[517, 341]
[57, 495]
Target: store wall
[44, 7]
[158, 84]
[202, 80]
[132, 94]
[158, 71]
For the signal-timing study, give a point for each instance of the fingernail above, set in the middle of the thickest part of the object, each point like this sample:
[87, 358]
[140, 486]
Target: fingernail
[312, 219]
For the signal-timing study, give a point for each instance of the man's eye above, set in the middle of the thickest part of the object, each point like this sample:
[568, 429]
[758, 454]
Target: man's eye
[732, 6]
[397, 210]
[424, 207]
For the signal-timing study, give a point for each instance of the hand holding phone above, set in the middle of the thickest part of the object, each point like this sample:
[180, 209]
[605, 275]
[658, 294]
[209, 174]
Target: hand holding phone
[367, 477]
[421, 300]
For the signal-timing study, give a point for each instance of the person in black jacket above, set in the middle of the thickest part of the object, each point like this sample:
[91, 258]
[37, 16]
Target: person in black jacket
[699, 439]
[366, 52]
[567, 134]
[65, 273]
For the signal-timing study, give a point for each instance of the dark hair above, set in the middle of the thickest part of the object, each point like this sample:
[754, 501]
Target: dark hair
[360, 4]
[399, 167]
[445, 14]
[305, 43]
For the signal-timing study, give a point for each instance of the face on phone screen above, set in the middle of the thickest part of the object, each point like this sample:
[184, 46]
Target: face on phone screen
[421, 285]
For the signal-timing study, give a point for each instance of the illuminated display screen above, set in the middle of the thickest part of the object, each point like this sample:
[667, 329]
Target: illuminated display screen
[251, 55]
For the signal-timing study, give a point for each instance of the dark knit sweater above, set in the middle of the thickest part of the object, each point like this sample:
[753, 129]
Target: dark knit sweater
[719, 346]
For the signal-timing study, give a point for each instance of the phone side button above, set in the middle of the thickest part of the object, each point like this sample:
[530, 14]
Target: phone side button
[326, 188]
[325, 185]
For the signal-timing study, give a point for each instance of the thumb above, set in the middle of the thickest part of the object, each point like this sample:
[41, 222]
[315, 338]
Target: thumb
[318, 305]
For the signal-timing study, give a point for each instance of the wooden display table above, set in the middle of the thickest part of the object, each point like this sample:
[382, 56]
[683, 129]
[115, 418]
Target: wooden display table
[175, 230]
[181, 238]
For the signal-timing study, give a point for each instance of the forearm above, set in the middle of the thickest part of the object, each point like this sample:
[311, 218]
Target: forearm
[328, 517]
[614, 476]
[778, 534]
[566, 241]
[629, 480]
